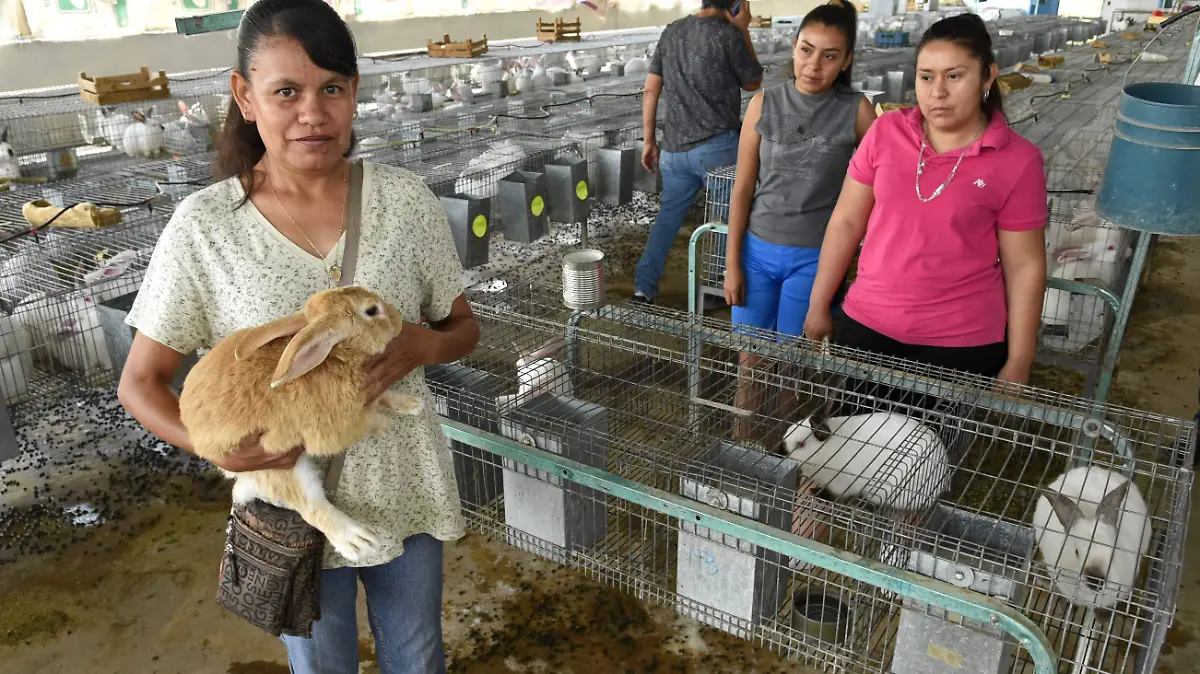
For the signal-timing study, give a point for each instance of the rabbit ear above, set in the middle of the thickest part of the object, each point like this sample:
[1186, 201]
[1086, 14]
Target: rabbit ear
[1066, 509]
[309, 348]
[1073, 254]
[138, 116]
[259, 337]
[1110, 506]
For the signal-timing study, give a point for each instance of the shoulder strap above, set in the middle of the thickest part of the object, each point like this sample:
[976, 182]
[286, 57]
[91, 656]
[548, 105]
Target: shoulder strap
[349, 262]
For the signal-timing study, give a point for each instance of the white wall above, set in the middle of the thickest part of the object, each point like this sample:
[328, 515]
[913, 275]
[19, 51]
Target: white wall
[28, 65]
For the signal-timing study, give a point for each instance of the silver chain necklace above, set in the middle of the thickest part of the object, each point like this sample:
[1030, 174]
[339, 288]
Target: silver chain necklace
[921, 168]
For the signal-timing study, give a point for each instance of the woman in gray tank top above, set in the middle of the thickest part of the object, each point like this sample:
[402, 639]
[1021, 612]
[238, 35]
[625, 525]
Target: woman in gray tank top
[796, 143]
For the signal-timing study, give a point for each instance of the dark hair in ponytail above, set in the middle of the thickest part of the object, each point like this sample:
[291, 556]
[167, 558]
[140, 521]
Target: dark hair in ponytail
[322, 34]
[839, 14]
[969, 32]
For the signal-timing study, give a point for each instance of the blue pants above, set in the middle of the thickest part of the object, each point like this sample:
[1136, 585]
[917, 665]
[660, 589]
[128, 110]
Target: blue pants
[683, 175]
[779, 282]
[404, 605]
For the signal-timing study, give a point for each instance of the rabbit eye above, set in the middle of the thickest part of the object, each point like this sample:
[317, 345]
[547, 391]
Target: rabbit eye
[372, 311]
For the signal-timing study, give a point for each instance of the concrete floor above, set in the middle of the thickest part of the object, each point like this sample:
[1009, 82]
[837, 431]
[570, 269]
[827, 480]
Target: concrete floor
[138, 597]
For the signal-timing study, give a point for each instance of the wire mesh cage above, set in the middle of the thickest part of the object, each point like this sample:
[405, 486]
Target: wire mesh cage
[623, 389]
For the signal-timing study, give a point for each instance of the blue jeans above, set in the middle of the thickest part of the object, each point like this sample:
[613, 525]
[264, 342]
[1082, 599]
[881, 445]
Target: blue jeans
[779, 282]
[404, 605]
[683, 175]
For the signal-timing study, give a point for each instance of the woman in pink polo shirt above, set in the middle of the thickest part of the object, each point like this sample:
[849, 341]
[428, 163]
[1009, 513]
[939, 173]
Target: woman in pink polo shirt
[949, 205]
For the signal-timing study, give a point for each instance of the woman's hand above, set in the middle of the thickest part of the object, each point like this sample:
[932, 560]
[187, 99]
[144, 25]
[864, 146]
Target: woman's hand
[250, 456]
[735, 286]
[1015, 373]
[818, 324]
[650, 156]
[414, 347]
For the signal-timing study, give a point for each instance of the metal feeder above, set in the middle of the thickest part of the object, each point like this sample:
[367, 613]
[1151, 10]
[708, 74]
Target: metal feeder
[616, 166]
[932, 641]
[421, 102]
[468, 217]
[522, 197]
[649, 182]
[468, 396]
[820, 613]
[560, 79]
[543, 505]
[118, 336]
[730, 575]
[567, 190]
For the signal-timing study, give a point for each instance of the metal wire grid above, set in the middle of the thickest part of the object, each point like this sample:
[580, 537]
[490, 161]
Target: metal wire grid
[42, 125]
[630, 368]
[52, 287]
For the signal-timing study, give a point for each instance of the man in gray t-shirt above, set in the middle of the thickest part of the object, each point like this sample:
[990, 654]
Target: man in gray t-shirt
[702, 64]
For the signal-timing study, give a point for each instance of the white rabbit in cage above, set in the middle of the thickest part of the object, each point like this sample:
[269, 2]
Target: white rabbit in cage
[462, 92]
[638, 65]
[538, 372]
[108, 126]
[69, 328]
[583, 62]
[145, 136]
[16, 359]
[1092, 528]
[115, 277]
[482, 175]
[885, 458]
[9, 166]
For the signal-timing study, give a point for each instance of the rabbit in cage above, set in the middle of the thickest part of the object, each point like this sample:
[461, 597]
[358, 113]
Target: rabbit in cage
[9, 166]
[482, 175]
[145, 136]
[69, 329]
[1098, 259]
[115, 277]
[273, 377]
[48, 259]
[885, 458]
[1092, 528]
[108, 126]
[538, 372]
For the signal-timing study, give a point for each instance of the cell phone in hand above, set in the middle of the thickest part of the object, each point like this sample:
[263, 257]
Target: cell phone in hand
[737, 7]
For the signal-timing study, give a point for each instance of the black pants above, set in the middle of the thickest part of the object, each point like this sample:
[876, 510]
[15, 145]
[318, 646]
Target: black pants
[985, 360]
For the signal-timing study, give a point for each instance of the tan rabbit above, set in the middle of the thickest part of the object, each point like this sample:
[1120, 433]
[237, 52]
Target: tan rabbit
[302, 391]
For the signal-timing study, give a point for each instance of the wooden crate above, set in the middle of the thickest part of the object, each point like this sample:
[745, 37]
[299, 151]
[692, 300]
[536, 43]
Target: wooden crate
[1051, 62]
[760, 22]
[559, 30]
[1012, 82]
[467, 49]
[139, 86]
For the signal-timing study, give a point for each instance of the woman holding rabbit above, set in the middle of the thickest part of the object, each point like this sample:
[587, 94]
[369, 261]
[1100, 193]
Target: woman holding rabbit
[252, 248]
[949, 205]
[796, 142]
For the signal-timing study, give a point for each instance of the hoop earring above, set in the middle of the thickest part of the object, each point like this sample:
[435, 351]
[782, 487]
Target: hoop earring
[985, 94]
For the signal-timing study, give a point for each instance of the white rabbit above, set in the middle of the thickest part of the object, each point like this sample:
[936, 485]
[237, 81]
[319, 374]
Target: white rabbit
[385, 101]
[583, 62]
[110, 127]
[1098, 260]
[637, 66]
[1092, 528]
[537, 373]
[462, 92]
[487, 73]
[524, 81]
[14, 338]
[145, 137]
[887, 459]
[9, 166]
[69, 327]
[114, 278]
[541, 79]
[411, 83]
[482, 175]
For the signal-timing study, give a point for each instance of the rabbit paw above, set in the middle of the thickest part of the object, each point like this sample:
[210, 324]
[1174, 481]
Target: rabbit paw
[378, 425]
[354, 541]
[402, 403]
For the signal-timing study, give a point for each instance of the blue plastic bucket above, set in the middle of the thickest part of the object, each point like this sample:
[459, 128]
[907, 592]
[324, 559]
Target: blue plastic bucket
[1149, 181]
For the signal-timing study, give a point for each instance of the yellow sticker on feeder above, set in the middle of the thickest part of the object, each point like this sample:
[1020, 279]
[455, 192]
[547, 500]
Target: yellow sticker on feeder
[479, 226]
[537, 206]
[581, 190]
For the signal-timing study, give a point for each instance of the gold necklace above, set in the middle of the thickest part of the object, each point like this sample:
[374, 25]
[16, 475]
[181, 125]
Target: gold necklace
[335, 271]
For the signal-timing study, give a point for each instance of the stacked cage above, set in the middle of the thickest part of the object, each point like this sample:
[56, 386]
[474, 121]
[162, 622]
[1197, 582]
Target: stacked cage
[941, 498]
